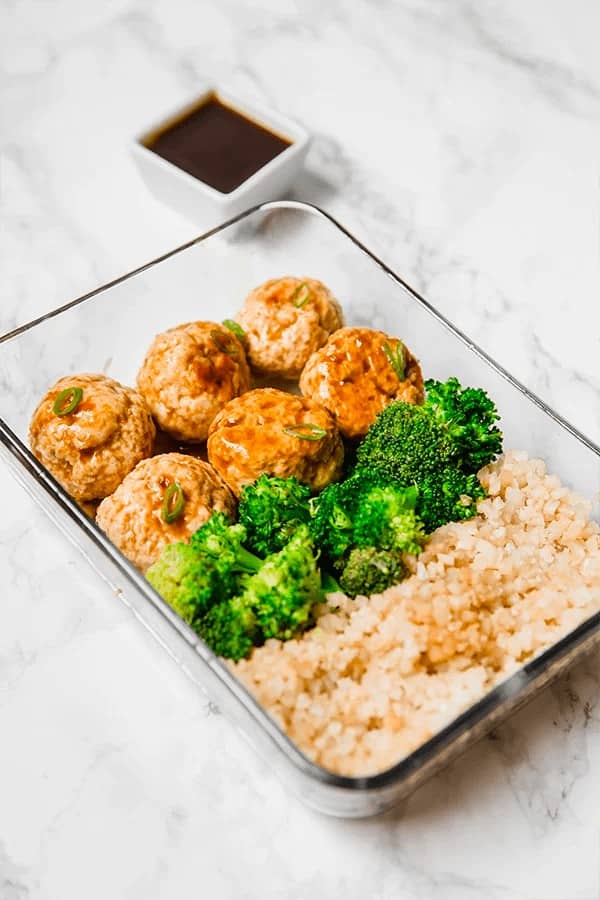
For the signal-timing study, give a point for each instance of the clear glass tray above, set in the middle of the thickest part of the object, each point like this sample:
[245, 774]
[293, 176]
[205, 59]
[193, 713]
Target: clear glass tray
[109, 330]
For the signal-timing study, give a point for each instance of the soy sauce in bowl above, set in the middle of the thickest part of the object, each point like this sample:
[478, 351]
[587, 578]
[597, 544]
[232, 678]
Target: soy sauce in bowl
[217, 144]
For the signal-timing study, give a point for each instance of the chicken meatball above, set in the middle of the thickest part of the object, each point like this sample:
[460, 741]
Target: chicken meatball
[270, 431]
[164, 499]
[357, 374]
[286, 320]
[189, 373]
[90, 431]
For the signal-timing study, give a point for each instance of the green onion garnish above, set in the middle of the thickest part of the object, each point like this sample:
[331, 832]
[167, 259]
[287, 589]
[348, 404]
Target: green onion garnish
[301, 295]
[173, 503]
[306, 431]
[223, 342]
[67, 401]
[235, 328]
[396, 359]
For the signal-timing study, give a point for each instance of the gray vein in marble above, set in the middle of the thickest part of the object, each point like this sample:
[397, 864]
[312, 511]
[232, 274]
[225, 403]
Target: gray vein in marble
[15, 881]
[102, 754]
[552, 364]
[542, 799]
[570, 89]
[40, 224]
[476, 27]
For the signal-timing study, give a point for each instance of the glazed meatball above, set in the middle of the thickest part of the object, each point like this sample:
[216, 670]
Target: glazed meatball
[286, 320]
[357, 374]
[164, 499]
[90, 431]
[189, 373]
[270, 431]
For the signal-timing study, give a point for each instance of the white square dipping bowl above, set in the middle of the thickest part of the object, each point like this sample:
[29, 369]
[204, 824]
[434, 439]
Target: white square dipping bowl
[205, 205]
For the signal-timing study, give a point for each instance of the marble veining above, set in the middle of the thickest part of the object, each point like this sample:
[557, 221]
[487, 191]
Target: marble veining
[461, 142]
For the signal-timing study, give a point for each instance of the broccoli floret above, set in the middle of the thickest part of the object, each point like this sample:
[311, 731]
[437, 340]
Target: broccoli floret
[277, 602]
[386, 519]
[449, 496]
[468, 416]
[229, 628]
[283, 592]
[453, 427]
[331, 521]
[369, 571]
[365, 524]
[364, 511]
[212, 567]
[329, 584]
[222, 541]
[438, 447]
[189, 581]
[405, 444]
[232, 598]
[271, 510]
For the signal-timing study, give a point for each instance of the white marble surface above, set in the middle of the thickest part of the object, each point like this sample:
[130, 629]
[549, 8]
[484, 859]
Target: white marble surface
[460, 140]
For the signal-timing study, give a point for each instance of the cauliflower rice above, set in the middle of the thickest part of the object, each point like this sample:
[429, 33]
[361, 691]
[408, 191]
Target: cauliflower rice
[379, 676]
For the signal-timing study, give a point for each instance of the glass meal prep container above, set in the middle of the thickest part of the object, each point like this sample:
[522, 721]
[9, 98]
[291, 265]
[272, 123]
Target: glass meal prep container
[109, 330]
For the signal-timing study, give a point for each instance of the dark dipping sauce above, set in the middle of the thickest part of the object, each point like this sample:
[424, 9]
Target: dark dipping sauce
[217, 144]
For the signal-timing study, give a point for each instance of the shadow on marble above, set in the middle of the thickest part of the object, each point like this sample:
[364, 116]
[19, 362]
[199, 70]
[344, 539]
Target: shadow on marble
[311, 187]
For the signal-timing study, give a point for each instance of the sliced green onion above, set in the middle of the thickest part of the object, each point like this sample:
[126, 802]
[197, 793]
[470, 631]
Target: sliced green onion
[301, 295]
[223, 342]
[173, 503]
[67, 401]
[235, 328]
[306, 431]
[396, 359]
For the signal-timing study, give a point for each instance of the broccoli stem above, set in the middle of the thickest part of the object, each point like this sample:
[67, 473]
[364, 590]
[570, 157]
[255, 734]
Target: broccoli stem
[328, 583]
[247, 562]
